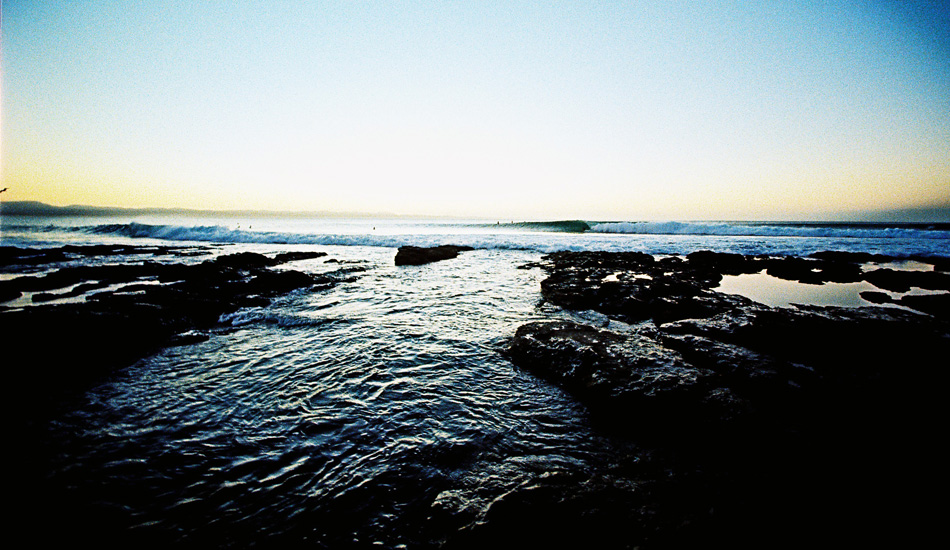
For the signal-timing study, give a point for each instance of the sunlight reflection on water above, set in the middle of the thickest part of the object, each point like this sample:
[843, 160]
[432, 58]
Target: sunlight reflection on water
[775, 292]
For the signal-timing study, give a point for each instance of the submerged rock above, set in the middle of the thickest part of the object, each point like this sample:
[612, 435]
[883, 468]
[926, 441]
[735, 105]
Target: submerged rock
[415, 255]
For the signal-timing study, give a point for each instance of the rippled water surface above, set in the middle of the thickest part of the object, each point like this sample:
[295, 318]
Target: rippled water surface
[353, 415]
[378, 412]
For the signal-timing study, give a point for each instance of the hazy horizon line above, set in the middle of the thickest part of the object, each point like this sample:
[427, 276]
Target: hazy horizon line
[937, 213]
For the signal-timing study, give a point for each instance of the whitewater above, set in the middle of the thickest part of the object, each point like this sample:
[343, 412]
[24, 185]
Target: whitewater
[671, 237]
[378, 412]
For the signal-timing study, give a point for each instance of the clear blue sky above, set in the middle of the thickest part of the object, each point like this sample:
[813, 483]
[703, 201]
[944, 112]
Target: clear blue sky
[620, 110]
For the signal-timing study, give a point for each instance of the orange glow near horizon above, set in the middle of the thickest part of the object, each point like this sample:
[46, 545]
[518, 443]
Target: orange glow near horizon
[651, 111]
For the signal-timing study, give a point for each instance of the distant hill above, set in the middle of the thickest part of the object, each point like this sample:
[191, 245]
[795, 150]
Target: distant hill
[939, 213]
[35, 208]
[923, 214]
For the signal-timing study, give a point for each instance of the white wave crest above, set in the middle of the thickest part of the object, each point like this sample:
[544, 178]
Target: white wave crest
[767, 230]
[257, 315]
[671, 237]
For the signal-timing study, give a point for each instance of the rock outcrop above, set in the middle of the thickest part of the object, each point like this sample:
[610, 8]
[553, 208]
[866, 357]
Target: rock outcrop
[129, 310]
[415, 255]
[793, 425]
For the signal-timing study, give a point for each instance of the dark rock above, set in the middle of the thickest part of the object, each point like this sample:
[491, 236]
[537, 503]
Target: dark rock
[7, 292]
[796, 269]
[414, 255]
[159, 304]
[246, 260]
[845, 346]
[272, 283]
[889, 279]
[932, 280]
[937, 305]
[639, 383]
[724, 263]
[633, 261]
[851, 257]
[941, 264]
[819, 268]
[903, 281]
[749, 372]
[840, 272]
[634, 287]
[11, 255]
[285, 257]
[784, 415]
[876, 297]
[562, 509]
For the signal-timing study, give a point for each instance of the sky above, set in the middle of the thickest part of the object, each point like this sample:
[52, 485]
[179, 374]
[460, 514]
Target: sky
[499, 109]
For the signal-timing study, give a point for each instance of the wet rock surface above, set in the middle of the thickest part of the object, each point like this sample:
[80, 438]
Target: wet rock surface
[780, 426]
[748, 426]
[634, 287]
[129, 309]
[416, 255]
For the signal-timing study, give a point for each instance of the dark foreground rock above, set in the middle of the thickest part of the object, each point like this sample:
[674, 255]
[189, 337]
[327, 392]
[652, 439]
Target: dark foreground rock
[140, 307]
[634, 287]
[415, 255]
[805, 426]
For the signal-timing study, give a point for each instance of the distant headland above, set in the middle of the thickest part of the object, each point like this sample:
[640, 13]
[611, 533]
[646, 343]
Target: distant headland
[927, 214]
[36, 208]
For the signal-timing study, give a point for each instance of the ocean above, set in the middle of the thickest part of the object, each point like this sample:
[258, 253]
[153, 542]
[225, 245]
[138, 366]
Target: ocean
[381, 412]
[777, 238]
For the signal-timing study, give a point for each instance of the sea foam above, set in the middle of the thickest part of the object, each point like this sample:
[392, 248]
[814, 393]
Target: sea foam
[670, 237]
[876, 231]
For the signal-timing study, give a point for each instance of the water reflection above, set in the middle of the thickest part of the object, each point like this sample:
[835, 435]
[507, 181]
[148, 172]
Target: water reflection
[775, 292]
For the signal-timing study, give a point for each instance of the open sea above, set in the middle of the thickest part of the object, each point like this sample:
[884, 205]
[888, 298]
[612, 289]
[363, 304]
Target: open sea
[378, 413]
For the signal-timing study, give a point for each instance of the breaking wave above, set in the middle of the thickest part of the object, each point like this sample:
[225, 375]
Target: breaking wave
[671, 237]
[560, 226]
[482, 239]
[843, 230]
[259, 315]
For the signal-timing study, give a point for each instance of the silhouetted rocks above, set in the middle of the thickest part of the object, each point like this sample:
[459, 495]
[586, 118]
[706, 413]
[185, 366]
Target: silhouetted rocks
[285, 257]
[415, 255]
[791, 424]
[12, 255]
[633, 286]
[625, 372]
[850, 257]
[937, 305]
[903, 281]
[246, 260]
[876, 297]
[141, 307]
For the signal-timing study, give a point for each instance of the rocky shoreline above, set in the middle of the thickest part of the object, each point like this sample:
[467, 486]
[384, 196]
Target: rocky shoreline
[130, 308]
[780, 426]
[749, 426]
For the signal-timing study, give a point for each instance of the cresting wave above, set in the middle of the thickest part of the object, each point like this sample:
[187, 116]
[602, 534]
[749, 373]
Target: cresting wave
[221, 234]
[218, 233]
[781, 238]
[560, 226]
[870, 231]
